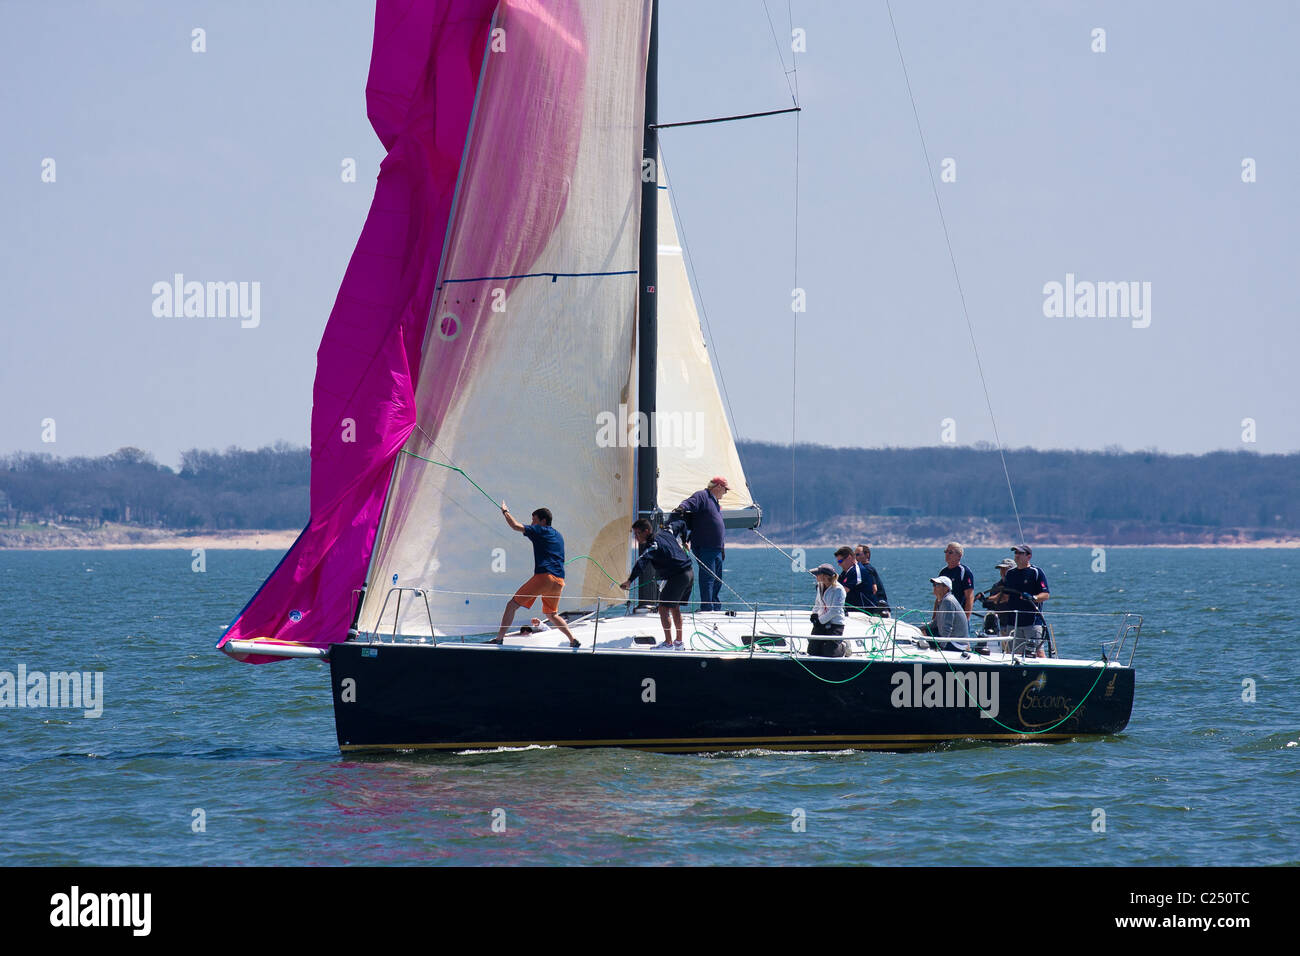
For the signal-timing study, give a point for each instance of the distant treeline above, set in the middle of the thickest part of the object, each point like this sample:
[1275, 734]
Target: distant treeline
[268, 488]
[1219, 489]
[213, 490]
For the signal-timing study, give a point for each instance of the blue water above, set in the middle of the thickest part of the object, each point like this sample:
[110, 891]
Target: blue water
[1200, 776]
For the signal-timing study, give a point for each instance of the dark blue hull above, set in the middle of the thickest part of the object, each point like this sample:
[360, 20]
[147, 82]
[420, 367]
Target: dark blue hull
[456, 697]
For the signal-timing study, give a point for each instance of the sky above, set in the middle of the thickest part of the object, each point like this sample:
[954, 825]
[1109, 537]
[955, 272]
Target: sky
[1126, 164]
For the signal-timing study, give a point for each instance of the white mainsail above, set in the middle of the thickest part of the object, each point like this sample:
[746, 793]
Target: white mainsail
[695, 442]
[514, 383]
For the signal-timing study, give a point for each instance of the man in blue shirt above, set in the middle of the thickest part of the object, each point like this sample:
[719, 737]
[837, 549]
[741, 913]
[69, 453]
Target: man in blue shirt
[996, 600]
[672, 565]
[855, 580]
[548, 574]
[703, 516]
[877, 590]
[1028, 587]
[963, 582]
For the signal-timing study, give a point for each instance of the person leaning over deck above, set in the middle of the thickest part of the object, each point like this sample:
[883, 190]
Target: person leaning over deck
[878, 595]
[548, 574]
[703, 515]
[672, 565]
[855, 580]
[1029, 590]
[996, 600]
[963, 582]
[949, 619]
[828, 614]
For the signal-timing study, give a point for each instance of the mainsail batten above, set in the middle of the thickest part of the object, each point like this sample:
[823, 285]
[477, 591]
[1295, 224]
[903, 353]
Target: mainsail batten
[531, 335]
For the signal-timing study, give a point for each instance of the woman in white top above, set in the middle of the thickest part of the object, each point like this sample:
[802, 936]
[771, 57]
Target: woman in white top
[828, 613]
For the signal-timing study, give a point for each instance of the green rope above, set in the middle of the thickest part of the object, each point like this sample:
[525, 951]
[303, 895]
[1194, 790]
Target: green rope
[1100, 671]
[588, 557]
[872, 658]
[461, 471]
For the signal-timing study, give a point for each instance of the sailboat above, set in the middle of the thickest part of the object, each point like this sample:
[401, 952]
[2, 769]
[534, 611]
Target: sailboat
[517, 316]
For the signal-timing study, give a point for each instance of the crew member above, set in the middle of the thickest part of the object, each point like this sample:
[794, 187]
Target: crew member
[949, 618]
[963, 582]
[708, 540]
[878, 596]
[672, 565]
[548, 574]
[855, 580]
[1029, 590]
[996, 601]
[828, 614]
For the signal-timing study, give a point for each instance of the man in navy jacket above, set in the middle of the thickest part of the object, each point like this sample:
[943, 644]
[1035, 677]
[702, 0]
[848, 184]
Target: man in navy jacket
[703, 515]
[672, 565]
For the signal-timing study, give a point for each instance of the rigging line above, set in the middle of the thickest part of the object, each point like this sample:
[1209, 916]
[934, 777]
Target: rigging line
[720, 581]
[538, 275]
[794, 63]
[727, 119]
[461, 471]
[792, 558]
[704, 312]
[956, 275]
[780, 53]
[441, 451]
[495, 532]
[442, 464]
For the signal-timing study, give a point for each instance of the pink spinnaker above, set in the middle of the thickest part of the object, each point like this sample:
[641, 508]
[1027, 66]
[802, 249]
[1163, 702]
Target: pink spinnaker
[424, 73]
[424, 70]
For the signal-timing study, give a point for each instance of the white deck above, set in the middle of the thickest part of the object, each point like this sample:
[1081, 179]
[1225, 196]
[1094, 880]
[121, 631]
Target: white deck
[719, 634]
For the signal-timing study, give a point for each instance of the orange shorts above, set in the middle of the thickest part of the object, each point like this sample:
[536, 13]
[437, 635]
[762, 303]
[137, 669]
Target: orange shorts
[544, 586]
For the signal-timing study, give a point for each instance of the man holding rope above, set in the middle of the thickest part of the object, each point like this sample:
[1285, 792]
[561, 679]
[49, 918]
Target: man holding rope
[548, 574]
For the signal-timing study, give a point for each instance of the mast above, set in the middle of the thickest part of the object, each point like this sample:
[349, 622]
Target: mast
[647, 335]
[647, 465]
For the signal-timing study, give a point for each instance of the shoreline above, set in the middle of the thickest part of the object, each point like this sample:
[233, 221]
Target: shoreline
[1270, 544]
[117, 539]
[145, 539]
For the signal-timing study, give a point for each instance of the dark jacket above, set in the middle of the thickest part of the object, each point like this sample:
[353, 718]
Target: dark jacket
[663, 553]
[703, 517]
